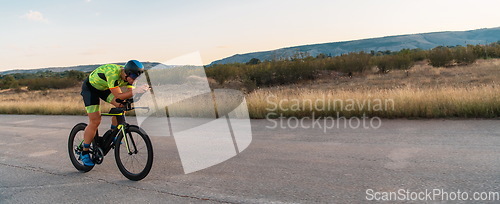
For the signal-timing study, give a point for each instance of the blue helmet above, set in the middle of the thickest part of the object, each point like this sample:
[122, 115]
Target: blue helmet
[133, 68]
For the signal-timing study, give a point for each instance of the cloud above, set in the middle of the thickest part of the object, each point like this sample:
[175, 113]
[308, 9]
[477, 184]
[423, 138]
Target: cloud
[88, 1]
[35, 16]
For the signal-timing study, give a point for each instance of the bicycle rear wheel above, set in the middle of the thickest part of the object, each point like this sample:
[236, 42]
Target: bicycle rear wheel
[75, 147]
[134, 153]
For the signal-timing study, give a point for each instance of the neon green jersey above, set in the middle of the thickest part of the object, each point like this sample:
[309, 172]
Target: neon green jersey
[107, 77]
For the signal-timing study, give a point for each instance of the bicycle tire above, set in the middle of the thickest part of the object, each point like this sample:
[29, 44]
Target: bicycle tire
[141, 143]
[77, 131]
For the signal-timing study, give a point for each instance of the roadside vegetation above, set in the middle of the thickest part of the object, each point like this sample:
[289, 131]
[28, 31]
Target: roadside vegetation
[256, 74]
[444, 82]
[424, 91]
[42, 80]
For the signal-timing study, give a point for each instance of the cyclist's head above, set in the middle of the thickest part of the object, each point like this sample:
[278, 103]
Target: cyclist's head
[133, 69]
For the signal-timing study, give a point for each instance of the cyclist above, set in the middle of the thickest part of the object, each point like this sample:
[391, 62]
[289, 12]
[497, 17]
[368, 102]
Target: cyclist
[104, 83]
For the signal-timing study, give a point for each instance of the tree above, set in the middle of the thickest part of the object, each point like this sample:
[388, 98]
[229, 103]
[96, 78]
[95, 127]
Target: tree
[254, 61]
[440, 56]
[8, 82]
[402, 61]
[78, 75]
[464, 55]
[321, 56]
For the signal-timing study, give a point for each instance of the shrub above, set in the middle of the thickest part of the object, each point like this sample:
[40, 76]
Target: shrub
[352, 62]
[254, 61]
[77, 75]
[392, 62]
[292, 71]
[418, 55]
[223, 73]
[260, 74]
[8, 82]
[464, 55]
[440, 57]
[49, 83]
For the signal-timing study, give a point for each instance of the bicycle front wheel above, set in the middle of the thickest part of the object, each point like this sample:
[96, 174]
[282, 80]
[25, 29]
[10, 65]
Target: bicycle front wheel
[134, 153]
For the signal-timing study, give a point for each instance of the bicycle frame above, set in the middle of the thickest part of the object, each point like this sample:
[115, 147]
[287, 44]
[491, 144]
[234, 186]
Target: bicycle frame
[119, 113]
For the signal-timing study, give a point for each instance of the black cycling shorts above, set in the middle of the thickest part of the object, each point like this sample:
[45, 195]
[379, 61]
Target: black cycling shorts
[92, 95]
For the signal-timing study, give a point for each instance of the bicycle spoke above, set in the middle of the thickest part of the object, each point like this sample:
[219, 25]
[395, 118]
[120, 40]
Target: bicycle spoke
[75, 147]
[137, 164]
[136, 161]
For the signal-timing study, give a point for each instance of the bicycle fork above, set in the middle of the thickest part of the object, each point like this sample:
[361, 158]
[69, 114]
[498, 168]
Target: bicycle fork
[126, 140]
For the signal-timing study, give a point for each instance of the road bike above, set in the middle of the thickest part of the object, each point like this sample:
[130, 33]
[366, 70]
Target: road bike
[132, 147]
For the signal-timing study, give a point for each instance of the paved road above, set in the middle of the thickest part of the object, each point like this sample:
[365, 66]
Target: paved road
[302, 165]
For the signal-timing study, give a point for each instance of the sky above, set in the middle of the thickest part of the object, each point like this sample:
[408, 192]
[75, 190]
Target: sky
[56, 33]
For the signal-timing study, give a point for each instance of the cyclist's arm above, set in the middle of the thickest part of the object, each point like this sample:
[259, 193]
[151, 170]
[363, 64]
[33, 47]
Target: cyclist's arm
[117, 92]
[130, 88]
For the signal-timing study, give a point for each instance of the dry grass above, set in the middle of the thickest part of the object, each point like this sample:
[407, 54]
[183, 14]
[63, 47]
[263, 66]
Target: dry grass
[422, 92]
[48, 102]
[421, 75]
[481, 101]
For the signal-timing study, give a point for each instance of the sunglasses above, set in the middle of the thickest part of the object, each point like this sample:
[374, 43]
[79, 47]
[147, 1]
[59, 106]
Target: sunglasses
[133, 76]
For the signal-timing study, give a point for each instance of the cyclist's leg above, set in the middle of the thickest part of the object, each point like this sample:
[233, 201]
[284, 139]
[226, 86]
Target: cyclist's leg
[91, 99]
[91, 129]
[114, 121]
[110, 98]
[88, 136]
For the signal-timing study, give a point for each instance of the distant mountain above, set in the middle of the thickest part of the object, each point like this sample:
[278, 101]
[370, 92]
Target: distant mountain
[83, 68]
[393, 43]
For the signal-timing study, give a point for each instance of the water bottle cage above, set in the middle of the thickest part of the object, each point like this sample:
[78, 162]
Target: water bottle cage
[108, 139]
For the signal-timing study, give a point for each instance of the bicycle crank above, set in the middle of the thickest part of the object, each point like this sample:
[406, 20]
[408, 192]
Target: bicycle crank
[98, 155]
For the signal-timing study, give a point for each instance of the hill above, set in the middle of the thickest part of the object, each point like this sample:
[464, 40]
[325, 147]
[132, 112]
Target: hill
[393, 43]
